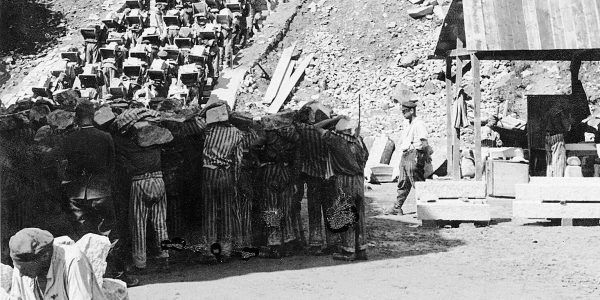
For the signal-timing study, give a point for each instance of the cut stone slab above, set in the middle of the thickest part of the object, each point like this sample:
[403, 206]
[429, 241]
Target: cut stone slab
[573, 191]
[453, 210]
[449, 189]
[419, 12]
[539, 210]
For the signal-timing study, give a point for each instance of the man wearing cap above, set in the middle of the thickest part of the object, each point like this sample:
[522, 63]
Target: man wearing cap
[415, 154]
[348, 158]
[47, 271]
[92, 44]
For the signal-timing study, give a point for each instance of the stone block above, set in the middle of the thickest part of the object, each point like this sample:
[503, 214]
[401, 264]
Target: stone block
[419, 12]
[95, 247]
[115, 289]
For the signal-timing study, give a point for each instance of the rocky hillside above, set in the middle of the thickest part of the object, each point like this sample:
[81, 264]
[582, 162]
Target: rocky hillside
[373, 49]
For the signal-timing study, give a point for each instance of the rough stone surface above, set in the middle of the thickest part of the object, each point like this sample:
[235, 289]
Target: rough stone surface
[95, 247]
[115, 289]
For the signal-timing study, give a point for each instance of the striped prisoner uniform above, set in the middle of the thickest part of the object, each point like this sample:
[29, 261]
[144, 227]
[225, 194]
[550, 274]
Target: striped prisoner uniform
[219, 224]
[147, 198]
[314, 166]
[245, 183]
[279, 187]
[556, 155]
[349, 156]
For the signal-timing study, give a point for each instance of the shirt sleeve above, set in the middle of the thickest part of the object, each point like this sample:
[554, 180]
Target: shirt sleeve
[420, 133]
[81, 281]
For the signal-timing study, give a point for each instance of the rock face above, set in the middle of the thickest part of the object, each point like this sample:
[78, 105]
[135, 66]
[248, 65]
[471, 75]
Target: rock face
[96, 248]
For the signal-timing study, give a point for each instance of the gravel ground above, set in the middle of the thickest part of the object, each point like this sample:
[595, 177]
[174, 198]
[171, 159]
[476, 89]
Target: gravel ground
[521, 259]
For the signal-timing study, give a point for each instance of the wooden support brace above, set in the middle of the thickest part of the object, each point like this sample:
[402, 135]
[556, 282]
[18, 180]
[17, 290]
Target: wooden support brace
[477, 100]
[449, 128]
[456, 136]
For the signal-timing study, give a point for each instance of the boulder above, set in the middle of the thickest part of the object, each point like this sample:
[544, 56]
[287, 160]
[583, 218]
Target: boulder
[114, 289]
[419, 12]
[148, 134]
[38, 112]
[410, 60]
[104, 115]
[96, 248]
[5, 277]
[66, 97]
[60, 119]
[438, 11]
[42, 133]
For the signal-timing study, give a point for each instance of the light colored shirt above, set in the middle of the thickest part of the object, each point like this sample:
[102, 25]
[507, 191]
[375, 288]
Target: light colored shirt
[412, 134]
[70, 277]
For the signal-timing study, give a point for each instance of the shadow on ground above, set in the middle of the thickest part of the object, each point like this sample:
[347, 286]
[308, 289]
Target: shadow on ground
[387, 238]
[28, 26]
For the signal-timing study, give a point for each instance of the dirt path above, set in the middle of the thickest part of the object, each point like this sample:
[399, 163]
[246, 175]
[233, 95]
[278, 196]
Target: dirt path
[518, 260]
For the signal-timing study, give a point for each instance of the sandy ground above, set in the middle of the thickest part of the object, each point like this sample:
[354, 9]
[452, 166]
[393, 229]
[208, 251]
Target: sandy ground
[522, 259]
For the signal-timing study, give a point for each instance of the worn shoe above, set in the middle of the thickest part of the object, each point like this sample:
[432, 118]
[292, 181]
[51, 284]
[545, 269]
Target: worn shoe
[349, 256]
[130, 281]
[316, 251]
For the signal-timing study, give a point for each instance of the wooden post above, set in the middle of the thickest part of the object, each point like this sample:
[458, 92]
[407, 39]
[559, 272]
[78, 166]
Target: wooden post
[477, 100]
[456, 136]
[449, 113]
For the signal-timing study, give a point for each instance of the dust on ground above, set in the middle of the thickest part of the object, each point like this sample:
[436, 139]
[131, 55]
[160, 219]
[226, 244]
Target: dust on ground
[522, 259]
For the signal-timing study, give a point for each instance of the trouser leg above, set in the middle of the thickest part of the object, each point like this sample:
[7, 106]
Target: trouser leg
[315, 213]
[158, 217]
[139, 217]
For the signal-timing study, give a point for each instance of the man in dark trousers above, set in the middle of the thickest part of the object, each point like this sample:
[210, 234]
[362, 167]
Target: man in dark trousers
[90, 156]
[415, 154]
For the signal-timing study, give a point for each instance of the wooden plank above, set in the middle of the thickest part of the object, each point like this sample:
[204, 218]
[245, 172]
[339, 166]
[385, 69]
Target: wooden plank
[461, 52]
[492, 36]
[518, 25]
[290, 69]
[474, 27]
[580, 147]
[278, 76]
[477, 100]
[449, 127]
[288, 86]
[597, 6]
[503, 17]
[531, 25]
[557, 192]
[533, 210]
[581, 29]
[559, 28]
[449, 189]
[453, 210]
[544, 23]
[456, 132]
[591, 20]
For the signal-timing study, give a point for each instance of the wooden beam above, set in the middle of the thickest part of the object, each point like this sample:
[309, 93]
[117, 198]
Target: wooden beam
[477, 100]
[449, 114]
[278, 77]
[461, 52]
[456, 136]
[288, 85]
